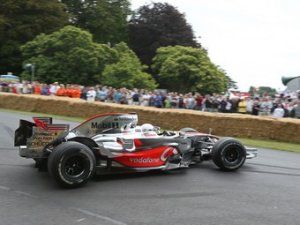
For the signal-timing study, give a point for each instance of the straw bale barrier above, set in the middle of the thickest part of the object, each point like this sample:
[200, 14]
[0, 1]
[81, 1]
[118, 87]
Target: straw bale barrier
[234, 125]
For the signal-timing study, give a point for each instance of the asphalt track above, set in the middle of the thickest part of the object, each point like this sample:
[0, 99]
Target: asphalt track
[266, 191]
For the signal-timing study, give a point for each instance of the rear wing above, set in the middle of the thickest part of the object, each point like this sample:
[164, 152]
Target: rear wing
[37, 134]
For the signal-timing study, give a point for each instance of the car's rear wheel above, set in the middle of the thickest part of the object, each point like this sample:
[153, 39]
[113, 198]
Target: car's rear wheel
[71, 164]
[228, 154]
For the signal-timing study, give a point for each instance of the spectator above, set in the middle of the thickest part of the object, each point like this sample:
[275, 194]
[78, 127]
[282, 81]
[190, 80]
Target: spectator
[45, 89]
[53, 88]
[174, 100]
[265, 107]
[222, 106]
[242, 106]
[62, 91]
[102, 94]
[83, 94]
[36, 88]
[207, 102]
[117, 96]
[279, 111]
[168, 101]
[235, 102]
[199, 100]
[214, 103]
[255, 107]
[135, 98]
[158, 100]
[190, 101]
[296, 110]
[145, 98]
[211, 103]
[228, 107]
[181, 102]
[91, 95]
[249, 105]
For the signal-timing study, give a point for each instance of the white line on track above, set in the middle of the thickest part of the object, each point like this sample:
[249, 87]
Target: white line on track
[26, 194]
[4, 188]
[89, 213]
[18, 192]
[80, 220]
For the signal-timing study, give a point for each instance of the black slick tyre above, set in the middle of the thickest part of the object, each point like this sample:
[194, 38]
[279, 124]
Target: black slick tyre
[228, 154]
[71, 164]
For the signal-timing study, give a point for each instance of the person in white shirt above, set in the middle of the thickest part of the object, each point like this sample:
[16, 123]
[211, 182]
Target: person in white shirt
[91, 95]
[279, 111]
[249, 105]
[190, 101]
[145, 99]
[53, 88]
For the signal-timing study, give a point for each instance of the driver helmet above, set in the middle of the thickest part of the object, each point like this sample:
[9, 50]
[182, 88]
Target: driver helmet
[147, 128]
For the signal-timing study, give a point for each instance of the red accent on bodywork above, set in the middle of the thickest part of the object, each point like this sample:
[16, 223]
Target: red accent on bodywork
[40, 123]
[137, 143]
[146, 158]
[167, 153]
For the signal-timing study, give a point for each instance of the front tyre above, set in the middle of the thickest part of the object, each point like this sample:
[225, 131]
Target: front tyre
[228, 154]
[71, 164]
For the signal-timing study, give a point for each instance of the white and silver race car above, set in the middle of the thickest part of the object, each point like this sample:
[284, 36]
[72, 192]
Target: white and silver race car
[114, 143]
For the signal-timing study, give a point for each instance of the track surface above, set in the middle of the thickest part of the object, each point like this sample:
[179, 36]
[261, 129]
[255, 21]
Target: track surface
[265, 191]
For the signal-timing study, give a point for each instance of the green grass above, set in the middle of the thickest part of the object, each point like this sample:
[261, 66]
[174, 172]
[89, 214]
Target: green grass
[268, 144]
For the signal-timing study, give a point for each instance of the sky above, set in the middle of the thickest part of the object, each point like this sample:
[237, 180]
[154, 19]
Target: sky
[255, 41]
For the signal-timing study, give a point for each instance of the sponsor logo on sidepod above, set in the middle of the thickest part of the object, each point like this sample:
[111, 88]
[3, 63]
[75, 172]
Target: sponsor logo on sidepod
[166, 153]
[144, 160]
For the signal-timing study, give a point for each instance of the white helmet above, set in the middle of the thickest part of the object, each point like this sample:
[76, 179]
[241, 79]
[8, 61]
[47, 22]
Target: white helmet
[147, 127]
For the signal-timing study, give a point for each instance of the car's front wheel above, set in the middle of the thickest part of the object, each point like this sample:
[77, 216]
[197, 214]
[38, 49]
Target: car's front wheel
[228, 154]
[71, 164]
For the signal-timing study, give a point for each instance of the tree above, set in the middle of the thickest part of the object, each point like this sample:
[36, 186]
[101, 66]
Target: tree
[158, 25]
[69, 56]
[231, 84]
[127, 71]
[187, 69]
[262, 91]
[105, 19]
[21, 21]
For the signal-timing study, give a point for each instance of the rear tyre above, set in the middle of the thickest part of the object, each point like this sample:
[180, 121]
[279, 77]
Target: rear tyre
[71, 164]
[228, 154]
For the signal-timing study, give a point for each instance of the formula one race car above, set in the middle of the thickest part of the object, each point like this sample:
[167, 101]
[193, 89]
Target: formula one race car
[114, 143]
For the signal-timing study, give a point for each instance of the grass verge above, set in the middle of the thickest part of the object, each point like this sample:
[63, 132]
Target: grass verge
[268, 144]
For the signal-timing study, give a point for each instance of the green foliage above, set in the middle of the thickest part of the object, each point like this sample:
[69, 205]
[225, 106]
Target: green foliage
[68, 55]
[186, 69]
[105, 19]
[261, 91]
[21, 21]
[231, 84]
[158, 25]
[127, 71]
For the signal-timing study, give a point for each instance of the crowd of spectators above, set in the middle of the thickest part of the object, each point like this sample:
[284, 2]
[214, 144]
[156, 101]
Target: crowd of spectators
[281, 105]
